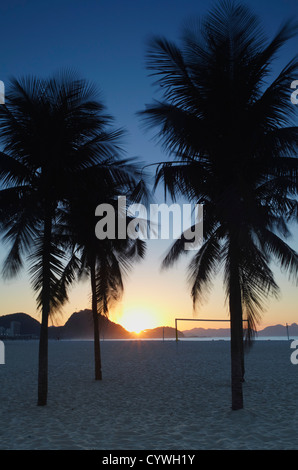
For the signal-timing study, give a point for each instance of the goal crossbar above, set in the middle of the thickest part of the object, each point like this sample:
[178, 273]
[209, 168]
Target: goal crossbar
[196, 319]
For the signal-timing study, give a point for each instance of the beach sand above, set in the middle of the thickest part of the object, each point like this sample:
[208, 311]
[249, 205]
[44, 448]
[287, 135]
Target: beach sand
[154, 395]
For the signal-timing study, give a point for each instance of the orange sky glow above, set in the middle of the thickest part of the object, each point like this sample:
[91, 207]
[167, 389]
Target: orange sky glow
[153, 298]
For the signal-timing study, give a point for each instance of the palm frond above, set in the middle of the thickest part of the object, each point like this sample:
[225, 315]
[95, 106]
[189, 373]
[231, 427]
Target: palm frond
[12, 172]
[286, 256]
[19, 226]
[57, 272]
[203, 268]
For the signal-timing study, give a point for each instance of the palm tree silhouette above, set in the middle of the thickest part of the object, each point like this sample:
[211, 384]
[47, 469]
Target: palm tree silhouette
[52, 130]
[235, 146]
[105, 261]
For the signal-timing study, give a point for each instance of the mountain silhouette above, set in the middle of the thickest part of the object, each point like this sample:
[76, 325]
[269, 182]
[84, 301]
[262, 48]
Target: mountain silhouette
[29, 326]
[80, 326]
[274, 330]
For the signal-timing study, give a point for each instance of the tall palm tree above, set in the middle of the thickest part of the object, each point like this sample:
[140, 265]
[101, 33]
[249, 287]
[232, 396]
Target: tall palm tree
[51, 131]
[235, 145]
[105, 261]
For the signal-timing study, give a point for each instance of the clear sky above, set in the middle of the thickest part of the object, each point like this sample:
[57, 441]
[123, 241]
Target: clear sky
[105, 41]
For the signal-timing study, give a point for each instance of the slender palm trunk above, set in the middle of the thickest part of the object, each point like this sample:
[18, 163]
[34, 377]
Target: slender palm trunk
[237, 350]
[46, 295]
[242, 355]
[97, 353]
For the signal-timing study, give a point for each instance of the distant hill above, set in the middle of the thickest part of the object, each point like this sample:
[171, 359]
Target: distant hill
[80, 326]
[29, 326]
[275, 330]
[207, 332]
[279, 330]
[160, 332]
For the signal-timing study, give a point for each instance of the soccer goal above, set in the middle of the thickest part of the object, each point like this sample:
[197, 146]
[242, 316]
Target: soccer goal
[198, 319]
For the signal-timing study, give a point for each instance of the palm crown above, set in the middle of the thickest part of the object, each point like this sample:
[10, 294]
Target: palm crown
[51, 130]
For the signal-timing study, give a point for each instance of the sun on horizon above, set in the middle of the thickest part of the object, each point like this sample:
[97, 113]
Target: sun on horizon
[137, 318]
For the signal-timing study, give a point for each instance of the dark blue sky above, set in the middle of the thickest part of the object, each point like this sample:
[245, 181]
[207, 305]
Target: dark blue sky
[105, 41]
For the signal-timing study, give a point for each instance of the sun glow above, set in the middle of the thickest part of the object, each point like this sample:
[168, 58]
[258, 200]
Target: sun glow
[137, 319]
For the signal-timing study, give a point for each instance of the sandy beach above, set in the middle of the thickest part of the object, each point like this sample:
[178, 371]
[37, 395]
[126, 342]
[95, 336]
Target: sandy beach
[154, 395]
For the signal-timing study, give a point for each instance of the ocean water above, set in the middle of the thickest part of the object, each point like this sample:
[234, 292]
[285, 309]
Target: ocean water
[202, 338]
[257, 338]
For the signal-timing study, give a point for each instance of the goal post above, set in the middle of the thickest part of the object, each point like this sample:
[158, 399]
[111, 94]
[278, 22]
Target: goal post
[197, 319]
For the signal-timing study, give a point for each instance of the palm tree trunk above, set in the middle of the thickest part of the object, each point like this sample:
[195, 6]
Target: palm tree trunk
[46, 295]
[242, 355]
[237, 350]
[97, 353]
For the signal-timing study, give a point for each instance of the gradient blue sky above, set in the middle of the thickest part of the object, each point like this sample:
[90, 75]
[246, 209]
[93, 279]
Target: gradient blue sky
[105, 41]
